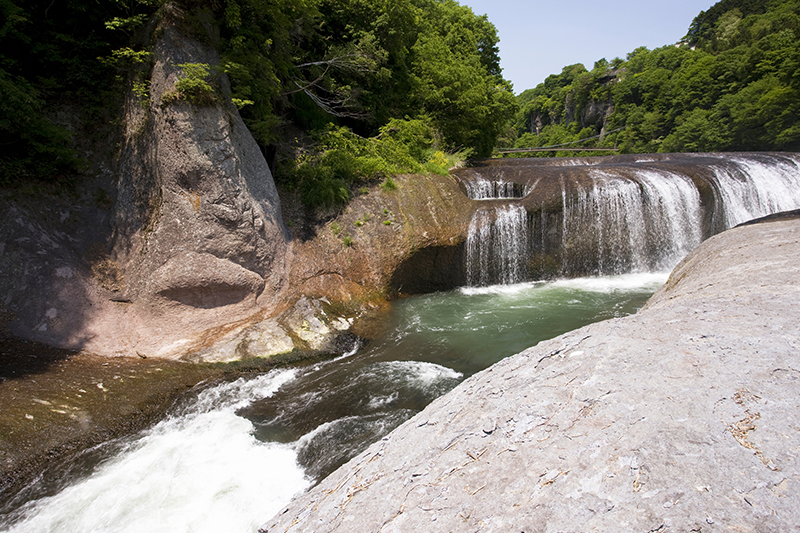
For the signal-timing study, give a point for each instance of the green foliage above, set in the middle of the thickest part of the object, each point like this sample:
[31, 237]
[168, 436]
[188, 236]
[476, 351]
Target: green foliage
[403, 78]
[364, 64]
[33, 146]
[736, 88]
[192, 85]
[49, 57]
[342, 159]
[141, 89]
[320, 189]
[389, 185]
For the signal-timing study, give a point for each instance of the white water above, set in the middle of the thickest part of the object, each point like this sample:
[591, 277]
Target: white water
[497, 245]
[609, 284]
[625, 220]
[201, 470]
[673, 204]
[634, 226]
[480, 188]
[641, 281]
[753, 190]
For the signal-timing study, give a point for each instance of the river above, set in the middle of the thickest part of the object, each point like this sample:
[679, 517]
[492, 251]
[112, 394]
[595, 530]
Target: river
[233, 453]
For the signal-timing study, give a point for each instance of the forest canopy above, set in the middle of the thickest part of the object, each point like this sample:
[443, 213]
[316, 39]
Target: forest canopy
[343, 92]
[306, 75]
[732, 83]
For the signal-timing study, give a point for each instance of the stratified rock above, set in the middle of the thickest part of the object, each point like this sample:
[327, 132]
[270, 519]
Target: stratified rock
[683, 417]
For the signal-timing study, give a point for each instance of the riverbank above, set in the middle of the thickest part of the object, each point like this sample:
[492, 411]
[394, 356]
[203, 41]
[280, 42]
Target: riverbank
[680, 417]
[56, 403]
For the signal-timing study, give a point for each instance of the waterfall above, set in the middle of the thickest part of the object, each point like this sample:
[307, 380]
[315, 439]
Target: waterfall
[749, 188]
[615, 215]
[624, 225]
[497, 246]
[480, 188]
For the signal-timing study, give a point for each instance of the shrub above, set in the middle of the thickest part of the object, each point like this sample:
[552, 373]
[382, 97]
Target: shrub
[322, 190]
[192, 86]
[389, 185]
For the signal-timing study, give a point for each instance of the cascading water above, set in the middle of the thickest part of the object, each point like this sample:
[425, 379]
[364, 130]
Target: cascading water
[750, 189]
[497, 246]
[624, 225]
[479, 188]
[622, 214]
[199, 470]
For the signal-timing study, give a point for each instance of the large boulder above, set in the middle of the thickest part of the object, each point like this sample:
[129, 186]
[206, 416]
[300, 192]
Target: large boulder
[683, 417]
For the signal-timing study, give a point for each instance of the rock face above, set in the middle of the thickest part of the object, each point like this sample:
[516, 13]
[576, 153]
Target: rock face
[404, 241]
[194, 241]
[682, 417]
[198, 230]
[385, 243]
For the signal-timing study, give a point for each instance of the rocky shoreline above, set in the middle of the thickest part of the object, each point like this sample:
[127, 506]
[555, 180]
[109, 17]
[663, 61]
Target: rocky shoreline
[681, 417]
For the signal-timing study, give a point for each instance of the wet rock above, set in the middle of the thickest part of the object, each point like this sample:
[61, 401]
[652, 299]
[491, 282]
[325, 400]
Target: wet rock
[681, 417]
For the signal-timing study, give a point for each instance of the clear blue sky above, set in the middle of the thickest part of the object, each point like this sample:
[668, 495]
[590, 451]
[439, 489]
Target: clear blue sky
[540, 37]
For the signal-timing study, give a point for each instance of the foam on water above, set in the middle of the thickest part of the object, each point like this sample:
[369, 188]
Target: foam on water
[201, 470]
[417, 374]
[605, 284]
[515, 288]
[623, 282]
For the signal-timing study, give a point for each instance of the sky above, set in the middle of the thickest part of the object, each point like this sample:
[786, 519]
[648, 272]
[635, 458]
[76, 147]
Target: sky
[540, 37]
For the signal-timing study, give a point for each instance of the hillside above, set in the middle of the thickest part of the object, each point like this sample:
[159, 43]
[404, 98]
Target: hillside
[730, 84]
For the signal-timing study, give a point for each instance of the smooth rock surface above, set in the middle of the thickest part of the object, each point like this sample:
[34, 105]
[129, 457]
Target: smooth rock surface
[683, 417]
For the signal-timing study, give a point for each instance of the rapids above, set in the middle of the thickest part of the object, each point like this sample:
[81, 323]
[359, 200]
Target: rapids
[231, 455]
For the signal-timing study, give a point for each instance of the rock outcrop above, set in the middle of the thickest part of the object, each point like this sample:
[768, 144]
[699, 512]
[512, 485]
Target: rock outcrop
[198, 232]
[385, 243]
[682, 417]
[194, 240]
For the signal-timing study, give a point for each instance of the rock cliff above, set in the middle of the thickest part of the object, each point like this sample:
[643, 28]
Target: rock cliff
[682, 417]
[175, 246]
[195, 239]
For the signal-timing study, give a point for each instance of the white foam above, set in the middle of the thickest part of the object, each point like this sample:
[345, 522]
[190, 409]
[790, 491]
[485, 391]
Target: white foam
[421, 373]
[200, 471]
[622, 282]
[515, 288]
